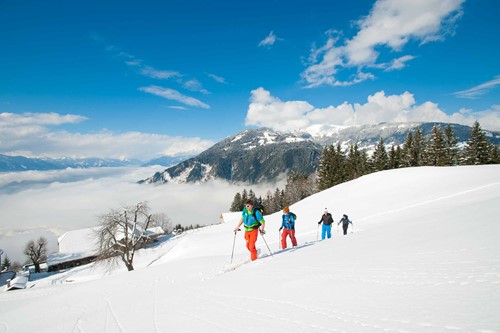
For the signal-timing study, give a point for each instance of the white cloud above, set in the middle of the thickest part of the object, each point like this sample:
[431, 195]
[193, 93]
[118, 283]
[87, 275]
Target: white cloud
[269, 40]
[391, 24]
[195, 85]
[398, 63]
[26, 119]
[28, 135]
[157, 74]
[174, 95]
[269, 111]
[217, 78]
[479, 90]
[134, 62]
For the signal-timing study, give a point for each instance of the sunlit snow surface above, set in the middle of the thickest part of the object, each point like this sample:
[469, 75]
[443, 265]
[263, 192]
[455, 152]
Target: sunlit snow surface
[424, 256]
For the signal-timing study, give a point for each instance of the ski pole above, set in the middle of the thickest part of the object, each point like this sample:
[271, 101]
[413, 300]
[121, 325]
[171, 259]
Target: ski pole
[279, 240]
[234, 241]
[262, 233]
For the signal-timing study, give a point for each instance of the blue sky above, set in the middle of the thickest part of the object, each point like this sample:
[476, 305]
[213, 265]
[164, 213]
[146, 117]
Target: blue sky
[130, 79]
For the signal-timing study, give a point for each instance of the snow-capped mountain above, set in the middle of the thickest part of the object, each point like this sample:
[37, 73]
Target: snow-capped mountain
[253, 155]
[368, 136]
[261, 154]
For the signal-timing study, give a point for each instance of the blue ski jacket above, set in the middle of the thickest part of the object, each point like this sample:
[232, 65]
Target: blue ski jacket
[252, 219]
[288, 222]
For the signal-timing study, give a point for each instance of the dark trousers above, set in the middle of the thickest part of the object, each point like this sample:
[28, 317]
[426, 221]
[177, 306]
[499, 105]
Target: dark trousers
[345, 229]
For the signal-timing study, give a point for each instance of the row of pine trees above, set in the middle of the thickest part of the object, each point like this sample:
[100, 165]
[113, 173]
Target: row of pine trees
[440, 148]
[297, 187]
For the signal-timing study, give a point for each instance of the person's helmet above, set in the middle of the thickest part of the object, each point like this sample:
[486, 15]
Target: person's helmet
[286, 210]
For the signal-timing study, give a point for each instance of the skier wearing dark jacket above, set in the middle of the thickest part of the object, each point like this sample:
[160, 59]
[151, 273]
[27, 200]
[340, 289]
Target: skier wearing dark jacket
[345, 223]
[327, 220]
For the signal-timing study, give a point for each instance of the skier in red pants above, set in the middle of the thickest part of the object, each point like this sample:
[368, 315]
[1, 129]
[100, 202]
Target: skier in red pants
[288, 226]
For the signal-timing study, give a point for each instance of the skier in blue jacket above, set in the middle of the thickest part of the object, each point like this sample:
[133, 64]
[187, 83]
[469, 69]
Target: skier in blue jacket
[288, 226]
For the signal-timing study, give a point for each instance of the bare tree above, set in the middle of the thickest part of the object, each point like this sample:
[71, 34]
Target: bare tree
[36, 252]
[123, 232]
[161, 220]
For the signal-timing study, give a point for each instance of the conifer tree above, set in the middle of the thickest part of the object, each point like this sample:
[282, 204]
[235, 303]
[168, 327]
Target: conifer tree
[6, 264]
[380, 159]
[244, 197]
[339, 166]
[418, 148]
[436, 149]
[495, 155]
[406, 158]
[236, 204]
[395, 156]
[451, 150]
[268, 202]
[277, 200]
[478, 149]
[355, 164]
[251, 195]
[328, 168]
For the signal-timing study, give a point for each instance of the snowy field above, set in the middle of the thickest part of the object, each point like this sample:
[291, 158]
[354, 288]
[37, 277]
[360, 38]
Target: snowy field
[424, 256]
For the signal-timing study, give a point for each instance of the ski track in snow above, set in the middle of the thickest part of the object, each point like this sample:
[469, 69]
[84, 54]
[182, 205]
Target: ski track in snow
[286, 323]
[266, 318]
[427, 202]
[266, 256]
[114, 317]
[77, 327]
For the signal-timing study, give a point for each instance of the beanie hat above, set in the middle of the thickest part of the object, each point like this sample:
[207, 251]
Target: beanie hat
[286, 210]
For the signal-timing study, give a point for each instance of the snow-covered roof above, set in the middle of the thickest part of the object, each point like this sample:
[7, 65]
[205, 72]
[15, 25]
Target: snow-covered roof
[19, 282]
[81, 242]
[155, 231]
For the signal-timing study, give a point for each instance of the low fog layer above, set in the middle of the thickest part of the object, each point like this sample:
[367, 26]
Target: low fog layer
[49, 203]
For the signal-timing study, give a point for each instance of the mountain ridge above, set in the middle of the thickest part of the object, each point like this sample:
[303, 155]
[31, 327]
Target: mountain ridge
[262, 154]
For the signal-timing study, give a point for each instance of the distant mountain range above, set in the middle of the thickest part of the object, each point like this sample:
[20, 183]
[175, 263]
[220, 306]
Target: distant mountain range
[253, 155]
[262, 154]
[21, 163]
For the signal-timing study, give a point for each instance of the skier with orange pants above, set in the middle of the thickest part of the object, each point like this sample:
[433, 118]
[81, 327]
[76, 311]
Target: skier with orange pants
[253, 222]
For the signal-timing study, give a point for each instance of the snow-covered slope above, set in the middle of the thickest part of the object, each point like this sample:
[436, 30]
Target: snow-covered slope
[424, 257]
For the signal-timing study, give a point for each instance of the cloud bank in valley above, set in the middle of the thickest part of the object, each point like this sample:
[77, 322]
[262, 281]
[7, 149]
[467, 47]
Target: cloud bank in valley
[50, 203]
[269, 111]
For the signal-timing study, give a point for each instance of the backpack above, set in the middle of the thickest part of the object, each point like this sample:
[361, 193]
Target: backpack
[258, 207]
